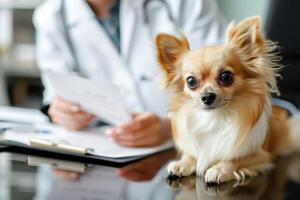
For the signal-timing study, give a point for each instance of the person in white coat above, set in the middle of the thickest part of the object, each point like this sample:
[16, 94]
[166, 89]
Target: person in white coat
[113, 41]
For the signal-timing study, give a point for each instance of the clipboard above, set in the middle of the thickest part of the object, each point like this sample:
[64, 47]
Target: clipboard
[15, 147]
[44, 148]
[65, 149]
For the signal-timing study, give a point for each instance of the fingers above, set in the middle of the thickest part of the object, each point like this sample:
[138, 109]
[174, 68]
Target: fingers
[65, 106]
[72, 122]
[132, 131]
[68, 114]
[144, 142]
[139, 134]
[144, 130]
[144, 120]
[139, 122]
[126, 135]
[147, 137]
[66, 117]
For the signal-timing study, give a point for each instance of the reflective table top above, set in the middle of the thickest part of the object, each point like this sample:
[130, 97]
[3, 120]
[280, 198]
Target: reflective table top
[28, 177]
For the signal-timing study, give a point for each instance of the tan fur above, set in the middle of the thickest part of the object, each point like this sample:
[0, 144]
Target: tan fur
[277, 140]
[169, 52]
[253, 62]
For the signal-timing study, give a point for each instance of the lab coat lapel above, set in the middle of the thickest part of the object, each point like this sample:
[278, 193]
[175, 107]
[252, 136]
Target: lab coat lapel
[127, 22]
[80, 16]
[91, 31]
[95, 36]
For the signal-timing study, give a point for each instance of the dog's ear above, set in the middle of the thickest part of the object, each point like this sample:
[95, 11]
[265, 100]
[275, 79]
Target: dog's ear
[169, 51]
[246, 35]
[258, 54]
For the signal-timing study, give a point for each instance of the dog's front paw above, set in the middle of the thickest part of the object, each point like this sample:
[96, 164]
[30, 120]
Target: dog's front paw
[181, 168]
[219, 174]
[241, 175]
[223, 173]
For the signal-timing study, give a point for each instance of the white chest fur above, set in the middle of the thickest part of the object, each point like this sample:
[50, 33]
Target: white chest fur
[212, 136]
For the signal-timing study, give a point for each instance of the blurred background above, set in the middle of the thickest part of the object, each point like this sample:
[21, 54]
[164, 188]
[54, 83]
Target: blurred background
[20, 83]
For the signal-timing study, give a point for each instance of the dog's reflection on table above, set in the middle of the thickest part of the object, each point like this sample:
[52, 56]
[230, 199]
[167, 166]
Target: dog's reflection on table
[269, 186]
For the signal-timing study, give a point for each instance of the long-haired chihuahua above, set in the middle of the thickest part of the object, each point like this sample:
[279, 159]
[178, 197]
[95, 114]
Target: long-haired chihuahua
[222, 119]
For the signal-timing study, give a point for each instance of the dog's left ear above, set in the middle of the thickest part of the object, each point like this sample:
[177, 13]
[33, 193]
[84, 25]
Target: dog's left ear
[246, 35]
[169, 51]
[258, 54]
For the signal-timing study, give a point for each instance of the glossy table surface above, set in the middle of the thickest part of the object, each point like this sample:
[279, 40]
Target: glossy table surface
[27, 177]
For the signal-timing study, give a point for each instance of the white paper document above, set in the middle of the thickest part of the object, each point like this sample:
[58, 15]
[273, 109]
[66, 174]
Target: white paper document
[93, 138]
[102, 99]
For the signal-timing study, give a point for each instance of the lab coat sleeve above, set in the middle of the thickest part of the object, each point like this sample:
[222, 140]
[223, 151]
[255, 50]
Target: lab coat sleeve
[203, 23]
[51, 50]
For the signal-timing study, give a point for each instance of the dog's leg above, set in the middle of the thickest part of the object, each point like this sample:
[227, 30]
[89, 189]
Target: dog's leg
[239, 169]
[186, 166]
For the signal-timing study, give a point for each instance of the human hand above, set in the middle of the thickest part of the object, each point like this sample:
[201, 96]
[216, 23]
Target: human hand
[146, 129]
[68, 114]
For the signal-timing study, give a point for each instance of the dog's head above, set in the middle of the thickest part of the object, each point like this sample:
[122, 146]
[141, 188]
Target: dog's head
[216, 76]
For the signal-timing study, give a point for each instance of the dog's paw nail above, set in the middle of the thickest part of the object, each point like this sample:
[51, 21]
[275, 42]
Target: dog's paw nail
[180, 169]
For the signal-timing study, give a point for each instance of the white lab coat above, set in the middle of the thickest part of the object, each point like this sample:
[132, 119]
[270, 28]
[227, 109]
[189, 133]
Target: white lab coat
[135, 69]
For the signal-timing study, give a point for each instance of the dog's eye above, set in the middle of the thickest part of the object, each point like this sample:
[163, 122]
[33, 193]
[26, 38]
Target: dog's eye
[192, 82]
[226, 78]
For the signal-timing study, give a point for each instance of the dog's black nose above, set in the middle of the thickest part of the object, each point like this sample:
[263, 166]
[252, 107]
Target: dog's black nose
[208, 98]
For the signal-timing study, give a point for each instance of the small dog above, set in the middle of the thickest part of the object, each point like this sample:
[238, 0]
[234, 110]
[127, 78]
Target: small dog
[221, 115]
